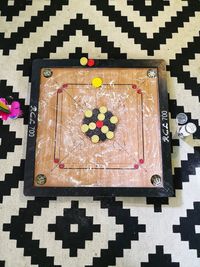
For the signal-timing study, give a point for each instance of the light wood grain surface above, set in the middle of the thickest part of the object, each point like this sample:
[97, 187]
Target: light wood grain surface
[108, 163]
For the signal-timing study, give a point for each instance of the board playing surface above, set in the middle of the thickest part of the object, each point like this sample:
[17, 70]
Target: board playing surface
[68, 158]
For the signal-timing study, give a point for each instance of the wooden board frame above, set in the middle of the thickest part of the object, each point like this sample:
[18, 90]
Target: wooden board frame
[165, 191]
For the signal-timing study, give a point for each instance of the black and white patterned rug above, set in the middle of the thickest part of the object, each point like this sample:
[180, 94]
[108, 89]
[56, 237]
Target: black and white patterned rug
[100, 232]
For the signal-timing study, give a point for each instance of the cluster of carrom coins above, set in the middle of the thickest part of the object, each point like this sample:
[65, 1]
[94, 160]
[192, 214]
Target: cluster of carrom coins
[99, 124]
[87, 62]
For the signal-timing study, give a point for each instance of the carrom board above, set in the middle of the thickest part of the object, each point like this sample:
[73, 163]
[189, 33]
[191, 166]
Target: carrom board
[63, 156]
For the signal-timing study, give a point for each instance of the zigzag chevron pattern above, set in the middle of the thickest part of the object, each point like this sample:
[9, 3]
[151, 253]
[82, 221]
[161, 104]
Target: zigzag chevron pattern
[121, 232]
[14, 10]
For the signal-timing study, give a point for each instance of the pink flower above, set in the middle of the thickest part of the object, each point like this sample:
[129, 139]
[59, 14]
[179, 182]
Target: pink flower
[15, 110]
[4, 115]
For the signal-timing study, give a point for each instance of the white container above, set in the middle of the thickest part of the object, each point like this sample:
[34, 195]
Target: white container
[186, 130]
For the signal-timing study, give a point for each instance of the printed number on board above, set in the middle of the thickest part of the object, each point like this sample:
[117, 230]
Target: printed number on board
[165, 126]
[32, 121]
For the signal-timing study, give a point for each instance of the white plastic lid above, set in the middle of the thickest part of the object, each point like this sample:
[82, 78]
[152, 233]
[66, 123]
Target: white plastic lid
[191, 127]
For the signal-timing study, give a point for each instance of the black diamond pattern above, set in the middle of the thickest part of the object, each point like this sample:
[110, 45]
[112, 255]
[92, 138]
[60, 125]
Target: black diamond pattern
[11, 180]
[23, 36]
[176, 66]
[123, 240]
[160, 259]
[10, 11]
[8, 140]
[148, 44]
[148, 10]
[72, 240]
[187, 228]
[63, 35]
[24, 239]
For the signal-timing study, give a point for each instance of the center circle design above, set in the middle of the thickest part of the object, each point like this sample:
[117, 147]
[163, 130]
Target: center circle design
[99, 124]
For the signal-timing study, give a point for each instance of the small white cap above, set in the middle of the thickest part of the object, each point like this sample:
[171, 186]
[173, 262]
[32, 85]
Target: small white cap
[191, 128]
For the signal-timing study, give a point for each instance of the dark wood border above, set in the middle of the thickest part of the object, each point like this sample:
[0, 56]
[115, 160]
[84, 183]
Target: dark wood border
[168, 187]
